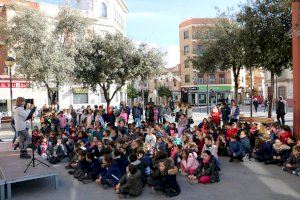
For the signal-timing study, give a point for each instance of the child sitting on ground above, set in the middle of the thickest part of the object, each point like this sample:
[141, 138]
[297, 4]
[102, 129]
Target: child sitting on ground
[206, 172]
[292, 165]
[92, 169]
[130, 184]
[236, 150]
[189, 165]
[166, 179]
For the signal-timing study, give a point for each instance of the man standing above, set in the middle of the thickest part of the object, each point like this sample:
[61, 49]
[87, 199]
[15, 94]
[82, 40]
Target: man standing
[281, 110]
[255, 104]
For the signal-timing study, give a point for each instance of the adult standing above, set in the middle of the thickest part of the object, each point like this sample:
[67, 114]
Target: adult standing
[177, 111]
[266, 104]
[225, 111]
[255, 104]
[189, 113]
[235, 111]
[215, 114]
[165, 110]
[20, 116]
[281, 110]
[149, 114]
[137, 113]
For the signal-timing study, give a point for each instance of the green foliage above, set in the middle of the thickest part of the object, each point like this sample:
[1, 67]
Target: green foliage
[164, 91]
[224, 51]
[43, 53]
[114, 60]
[131, 92]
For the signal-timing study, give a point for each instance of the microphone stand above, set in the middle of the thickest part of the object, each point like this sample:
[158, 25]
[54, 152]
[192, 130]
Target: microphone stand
[33, 158]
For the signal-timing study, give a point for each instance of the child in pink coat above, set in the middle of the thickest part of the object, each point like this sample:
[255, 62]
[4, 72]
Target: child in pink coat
[189, 163]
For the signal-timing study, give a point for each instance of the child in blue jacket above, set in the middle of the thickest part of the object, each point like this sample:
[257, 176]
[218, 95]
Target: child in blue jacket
[236, 150]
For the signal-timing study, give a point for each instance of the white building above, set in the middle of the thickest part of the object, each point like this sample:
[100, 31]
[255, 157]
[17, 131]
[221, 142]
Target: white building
[283, 85]
[106, 16]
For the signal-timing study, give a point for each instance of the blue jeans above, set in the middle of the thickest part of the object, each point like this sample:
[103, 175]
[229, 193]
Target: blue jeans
[24, 140]
[137, 122]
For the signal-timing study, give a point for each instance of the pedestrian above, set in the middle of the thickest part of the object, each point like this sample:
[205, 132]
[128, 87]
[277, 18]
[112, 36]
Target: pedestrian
[255, 104]
[235, 111]
[225, 111]
[281, 110]
[266, 104]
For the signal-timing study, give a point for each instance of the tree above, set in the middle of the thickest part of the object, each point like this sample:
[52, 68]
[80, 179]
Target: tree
[110, 61]
[45, 54]
[270, 25]
[164, 91]
[222, 52]
[131, 92]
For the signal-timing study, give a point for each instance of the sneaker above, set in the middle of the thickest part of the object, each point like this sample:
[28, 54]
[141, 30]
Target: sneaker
[294, 172]
[231, 160]
[71, 172]
[298, 174]
[25, 155]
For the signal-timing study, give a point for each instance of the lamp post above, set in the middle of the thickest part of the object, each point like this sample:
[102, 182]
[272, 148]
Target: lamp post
[9, 62]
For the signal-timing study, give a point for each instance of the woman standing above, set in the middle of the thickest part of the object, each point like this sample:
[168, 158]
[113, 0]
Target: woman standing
[20, 116]
[177, 111]
[235, 111]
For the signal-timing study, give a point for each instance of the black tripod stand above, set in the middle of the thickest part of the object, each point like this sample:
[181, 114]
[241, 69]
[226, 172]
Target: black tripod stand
[33, 159]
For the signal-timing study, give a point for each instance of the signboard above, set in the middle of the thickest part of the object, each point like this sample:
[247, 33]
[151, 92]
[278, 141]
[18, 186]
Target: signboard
[15, 85]
[223, 88]
[80, 90]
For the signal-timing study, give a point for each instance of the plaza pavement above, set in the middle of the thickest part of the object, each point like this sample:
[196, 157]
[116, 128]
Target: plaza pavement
[249, 180]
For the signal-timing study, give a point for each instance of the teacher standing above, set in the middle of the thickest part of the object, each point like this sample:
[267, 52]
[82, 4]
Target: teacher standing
[20, 117]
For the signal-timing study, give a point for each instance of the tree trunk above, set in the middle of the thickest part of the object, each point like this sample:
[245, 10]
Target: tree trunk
[271, 95]
[236, 88]
[51, 94]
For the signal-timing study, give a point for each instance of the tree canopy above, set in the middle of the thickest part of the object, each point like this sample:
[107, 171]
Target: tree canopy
[110, 61]
[44, 49]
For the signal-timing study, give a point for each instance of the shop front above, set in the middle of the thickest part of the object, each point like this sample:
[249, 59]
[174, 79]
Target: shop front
[215, 93]
[20, 88]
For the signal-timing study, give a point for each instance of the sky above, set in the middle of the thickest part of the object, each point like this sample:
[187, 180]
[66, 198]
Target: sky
[157, 21]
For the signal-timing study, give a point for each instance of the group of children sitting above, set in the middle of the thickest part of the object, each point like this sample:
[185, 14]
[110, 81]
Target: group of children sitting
[127, 158]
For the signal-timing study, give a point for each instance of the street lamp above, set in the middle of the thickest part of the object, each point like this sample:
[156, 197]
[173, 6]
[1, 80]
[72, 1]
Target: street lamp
[9, 62]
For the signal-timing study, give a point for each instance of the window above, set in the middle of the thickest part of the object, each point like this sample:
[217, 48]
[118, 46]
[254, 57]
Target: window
[186, 35]
[80, 98]
[222, 78]
[186, 64]
[187, 78]
[199, 49]
[201, 79]
[202, 98]
[212, 78]
[186, 49]
[103, 10]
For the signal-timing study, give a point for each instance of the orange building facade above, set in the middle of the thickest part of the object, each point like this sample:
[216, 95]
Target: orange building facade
[194, 86]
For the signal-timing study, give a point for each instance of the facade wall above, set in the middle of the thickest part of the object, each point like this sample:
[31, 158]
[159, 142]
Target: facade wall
[112, 21]
[284, 85]
[192, 82]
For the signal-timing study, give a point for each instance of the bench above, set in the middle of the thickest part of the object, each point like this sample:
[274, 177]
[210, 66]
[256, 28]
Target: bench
[262, 120]
[6, 119]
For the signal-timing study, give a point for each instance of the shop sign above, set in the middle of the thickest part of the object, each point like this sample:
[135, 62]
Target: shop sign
[80, 90]
[203, 88]
[15, 85]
